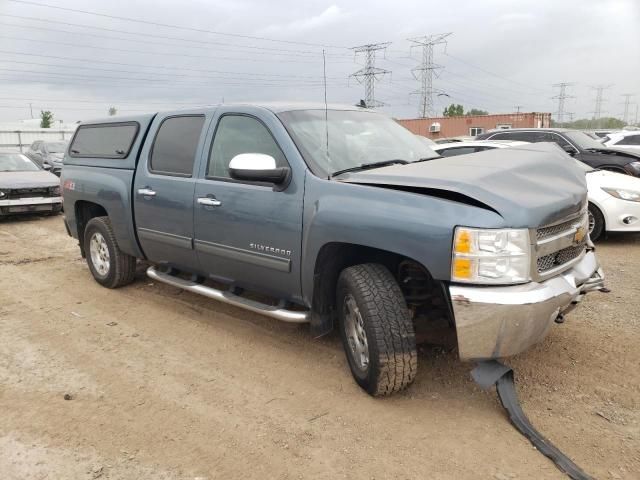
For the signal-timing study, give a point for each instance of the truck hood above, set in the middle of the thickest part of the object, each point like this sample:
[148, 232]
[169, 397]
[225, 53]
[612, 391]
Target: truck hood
[528, 186]
[37, 179]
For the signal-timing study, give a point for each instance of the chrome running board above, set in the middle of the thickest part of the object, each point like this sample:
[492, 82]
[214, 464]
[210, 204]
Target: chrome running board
[290, 316]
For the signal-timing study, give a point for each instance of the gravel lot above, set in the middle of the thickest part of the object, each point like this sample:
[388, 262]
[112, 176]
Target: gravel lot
[164, 384]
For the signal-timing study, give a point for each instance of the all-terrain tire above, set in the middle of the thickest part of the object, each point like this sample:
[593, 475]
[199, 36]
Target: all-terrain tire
[119, 269]
[598, 222]
[390, 337]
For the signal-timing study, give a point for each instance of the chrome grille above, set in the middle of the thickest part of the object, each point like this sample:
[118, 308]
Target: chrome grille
[18, 193]
[546, 232]
[557, 245]
[556, 259]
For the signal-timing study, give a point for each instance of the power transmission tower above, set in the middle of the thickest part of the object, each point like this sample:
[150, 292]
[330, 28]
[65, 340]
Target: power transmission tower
[627, 100]
[561, 97]
[425, 71]
[369, 74]
[597, 111]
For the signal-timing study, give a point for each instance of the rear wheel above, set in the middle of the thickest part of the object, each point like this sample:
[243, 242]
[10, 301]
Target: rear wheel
[376, 329]
[596, 222]
[109, 266]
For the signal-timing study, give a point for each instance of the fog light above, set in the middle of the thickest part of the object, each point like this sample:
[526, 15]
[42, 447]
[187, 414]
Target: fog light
[629, 220]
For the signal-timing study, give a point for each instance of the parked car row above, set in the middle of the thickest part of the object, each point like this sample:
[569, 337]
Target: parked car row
[614, 198]
[48, 155]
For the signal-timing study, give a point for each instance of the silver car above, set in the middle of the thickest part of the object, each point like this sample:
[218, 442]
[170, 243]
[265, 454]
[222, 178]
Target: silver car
[48, 155]
[26, 187]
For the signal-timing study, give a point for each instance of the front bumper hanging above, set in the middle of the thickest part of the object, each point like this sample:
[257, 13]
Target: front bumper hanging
[497, 322]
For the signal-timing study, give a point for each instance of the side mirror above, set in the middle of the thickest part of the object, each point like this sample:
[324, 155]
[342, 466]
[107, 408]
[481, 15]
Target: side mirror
[46, 166]
[257, 167]
[569, 149]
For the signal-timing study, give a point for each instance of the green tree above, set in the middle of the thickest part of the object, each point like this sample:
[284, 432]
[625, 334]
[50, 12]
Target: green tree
[46, 119]
[588, 124]
[477, 111]
[112, 111]
[453, 110]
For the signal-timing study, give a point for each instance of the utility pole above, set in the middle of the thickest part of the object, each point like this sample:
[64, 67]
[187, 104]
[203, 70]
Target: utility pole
[627, 100]
[31, 109]
[517, 107]
[597, 111]
[370, 73]
[637, 124]
[425, 71]
[561, 97]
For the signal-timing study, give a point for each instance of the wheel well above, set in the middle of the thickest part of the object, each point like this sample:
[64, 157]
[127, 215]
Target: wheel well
[417, 284]
[604, 219]
[85, 211]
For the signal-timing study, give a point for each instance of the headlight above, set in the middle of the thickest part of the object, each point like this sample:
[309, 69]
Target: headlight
[633, 168]
[622, 194]
[491, 256]
[55, 190]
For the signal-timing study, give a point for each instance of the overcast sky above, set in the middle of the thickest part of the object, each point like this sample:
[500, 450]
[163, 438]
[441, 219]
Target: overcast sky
[500, 54]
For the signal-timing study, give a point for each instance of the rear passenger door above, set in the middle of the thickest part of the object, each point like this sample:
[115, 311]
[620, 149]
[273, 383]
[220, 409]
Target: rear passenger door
[164, 187]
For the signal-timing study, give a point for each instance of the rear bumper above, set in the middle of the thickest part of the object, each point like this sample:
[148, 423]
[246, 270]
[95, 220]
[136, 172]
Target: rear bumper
[497, 322]
[29, 205]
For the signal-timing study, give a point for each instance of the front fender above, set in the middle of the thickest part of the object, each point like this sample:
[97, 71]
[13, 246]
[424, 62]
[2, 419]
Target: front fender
[416, 226]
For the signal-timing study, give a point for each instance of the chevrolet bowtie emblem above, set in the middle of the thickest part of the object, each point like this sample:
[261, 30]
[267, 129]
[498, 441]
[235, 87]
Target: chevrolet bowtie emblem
[581, 232]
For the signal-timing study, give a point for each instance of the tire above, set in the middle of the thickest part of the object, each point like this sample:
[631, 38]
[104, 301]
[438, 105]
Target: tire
[596, 222]
[109, 266]
[370, 304]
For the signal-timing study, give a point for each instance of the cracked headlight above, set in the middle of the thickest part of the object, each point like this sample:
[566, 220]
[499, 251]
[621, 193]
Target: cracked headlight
[488, 256]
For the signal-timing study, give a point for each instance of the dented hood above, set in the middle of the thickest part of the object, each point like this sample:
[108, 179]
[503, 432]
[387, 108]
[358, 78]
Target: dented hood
[529, 186]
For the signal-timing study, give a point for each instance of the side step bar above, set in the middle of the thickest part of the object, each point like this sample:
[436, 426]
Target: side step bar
[290, 316]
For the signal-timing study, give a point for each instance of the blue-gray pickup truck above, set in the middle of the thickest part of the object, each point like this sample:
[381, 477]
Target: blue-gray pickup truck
[336, 216]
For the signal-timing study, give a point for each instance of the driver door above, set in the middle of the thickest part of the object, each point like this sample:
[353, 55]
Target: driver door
[248, 233]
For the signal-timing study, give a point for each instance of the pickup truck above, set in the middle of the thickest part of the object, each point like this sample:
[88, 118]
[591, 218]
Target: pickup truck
[336, 216]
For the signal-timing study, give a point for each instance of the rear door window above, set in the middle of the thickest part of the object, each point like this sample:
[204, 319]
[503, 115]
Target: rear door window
[107, 140]
[175, 146]
[521, 136]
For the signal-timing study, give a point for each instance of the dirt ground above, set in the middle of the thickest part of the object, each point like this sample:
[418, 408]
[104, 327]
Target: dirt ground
[164, 384]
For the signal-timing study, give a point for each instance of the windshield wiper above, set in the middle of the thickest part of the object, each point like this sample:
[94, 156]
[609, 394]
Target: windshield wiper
[368, 166]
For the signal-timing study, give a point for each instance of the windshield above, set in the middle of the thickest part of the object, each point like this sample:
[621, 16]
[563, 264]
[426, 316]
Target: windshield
[355, 138]
[56, 147]
[582, 140]
[16, 162]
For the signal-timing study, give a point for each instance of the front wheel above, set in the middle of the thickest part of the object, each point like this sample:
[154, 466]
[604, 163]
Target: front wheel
[109, 266]
[596, 222]
[376, 329]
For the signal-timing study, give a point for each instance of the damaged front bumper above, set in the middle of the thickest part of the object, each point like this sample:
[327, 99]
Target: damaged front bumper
[497, 322]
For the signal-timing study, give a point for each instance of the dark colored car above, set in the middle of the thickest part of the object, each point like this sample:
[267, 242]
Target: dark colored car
[27, 188]
[578, 144]
[48, 155]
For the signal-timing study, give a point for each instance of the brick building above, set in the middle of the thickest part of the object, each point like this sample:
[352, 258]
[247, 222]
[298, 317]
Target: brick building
[443, 127]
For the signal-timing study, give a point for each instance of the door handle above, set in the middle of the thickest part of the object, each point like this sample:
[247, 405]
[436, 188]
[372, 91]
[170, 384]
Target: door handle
[209, 202]
[146, 192]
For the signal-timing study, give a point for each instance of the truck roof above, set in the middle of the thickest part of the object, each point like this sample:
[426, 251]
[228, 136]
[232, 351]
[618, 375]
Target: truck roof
[275, 107]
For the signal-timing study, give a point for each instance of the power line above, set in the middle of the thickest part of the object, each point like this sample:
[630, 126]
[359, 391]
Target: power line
[219, 72]
[561, 97]
[627, 100]
[425, 71]
[492, 73]
[198, 42]
[169, 25]
[369, 74]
